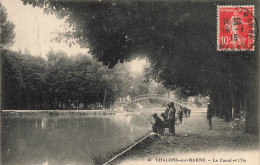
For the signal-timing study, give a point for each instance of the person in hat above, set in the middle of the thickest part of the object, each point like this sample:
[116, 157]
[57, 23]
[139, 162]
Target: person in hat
[171, 118]
[210, 115]
[157, 125]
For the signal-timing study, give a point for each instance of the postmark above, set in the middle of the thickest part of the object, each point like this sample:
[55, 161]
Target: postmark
[235, 28]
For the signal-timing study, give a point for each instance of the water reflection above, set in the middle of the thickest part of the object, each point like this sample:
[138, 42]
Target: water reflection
[67, 140]
[44, 122]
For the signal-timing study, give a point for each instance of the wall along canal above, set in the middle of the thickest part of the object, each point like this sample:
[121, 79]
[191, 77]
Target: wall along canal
[69, 139]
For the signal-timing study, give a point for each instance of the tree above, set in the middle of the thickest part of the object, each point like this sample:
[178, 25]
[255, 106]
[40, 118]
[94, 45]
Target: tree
[6, 29]
[177, 38]
[31, 82]
[8, 64]
[83, 79]
[34, 78]
[12, 80]
[23, 82]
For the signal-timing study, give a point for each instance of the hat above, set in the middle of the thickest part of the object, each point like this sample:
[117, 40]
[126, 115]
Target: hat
[171, 104]
[155, 114]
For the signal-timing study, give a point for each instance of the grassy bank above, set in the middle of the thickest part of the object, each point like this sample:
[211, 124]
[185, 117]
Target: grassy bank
[111, 158]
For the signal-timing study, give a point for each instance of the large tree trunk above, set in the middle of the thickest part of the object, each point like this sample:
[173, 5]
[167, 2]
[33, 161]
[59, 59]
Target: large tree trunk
[252, 111]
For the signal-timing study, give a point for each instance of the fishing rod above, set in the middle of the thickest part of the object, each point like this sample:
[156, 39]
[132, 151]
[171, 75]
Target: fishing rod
[142, 113]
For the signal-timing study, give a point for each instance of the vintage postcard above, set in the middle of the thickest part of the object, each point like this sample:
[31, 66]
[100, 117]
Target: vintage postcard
[129, 82]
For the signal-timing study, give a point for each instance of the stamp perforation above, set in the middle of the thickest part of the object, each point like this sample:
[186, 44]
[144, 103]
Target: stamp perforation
[252, 47]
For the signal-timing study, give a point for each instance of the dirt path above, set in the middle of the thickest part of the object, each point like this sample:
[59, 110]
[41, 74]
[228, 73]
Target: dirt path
[194, 138]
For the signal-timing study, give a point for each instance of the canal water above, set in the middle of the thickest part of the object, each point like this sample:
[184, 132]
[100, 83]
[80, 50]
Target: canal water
[72, 140]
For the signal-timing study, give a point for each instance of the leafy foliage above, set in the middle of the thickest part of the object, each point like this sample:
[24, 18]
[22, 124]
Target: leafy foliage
[35, 83]
[6, 29]
[177, 38]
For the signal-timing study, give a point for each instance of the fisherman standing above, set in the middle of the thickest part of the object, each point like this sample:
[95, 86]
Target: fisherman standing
[210, 115]
[167, 109]
[171, 118]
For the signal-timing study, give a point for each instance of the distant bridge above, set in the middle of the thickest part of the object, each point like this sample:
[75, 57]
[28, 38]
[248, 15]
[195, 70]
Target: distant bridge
[150, 96]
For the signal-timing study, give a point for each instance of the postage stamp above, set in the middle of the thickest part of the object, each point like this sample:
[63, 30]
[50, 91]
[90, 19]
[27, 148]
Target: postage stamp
[235, 28]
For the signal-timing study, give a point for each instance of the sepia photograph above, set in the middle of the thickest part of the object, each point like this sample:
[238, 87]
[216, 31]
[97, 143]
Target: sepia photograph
[129, 82]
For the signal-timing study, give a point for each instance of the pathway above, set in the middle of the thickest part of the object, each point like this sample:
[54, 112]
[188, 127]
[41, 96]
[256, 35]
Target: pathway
[195, 140]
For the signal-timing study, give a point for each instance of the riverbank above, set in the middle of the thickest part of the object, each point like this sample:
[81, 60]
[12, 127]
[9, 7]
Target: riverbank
[195, 140]
[55, 112]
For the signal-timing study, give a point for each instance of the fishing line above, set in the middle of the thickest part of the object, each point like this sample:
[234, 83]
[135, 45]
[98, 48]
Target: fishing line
[141, 113]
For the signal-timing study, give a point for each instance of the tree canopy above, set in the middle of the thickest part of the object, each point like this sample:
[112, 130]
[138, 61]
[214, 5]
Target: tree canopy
[178, 38]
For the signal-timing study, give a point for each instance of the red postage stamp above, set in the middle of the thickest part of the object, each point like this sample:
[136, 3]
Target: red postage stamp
[235, 30]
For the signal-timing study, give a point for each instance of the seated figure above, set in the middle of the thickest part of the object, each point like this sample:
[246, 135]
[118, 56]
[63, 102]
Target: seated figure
[157, 125]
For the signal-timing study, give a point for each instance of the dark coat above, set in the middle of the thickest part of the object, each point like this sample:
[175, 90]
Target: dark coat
[167, 111]
[158, 122]
[171, 114]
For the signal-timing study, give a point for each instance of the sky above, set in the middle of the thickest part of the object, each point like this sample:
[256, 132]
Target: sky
[35, 30]
[138, 65]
